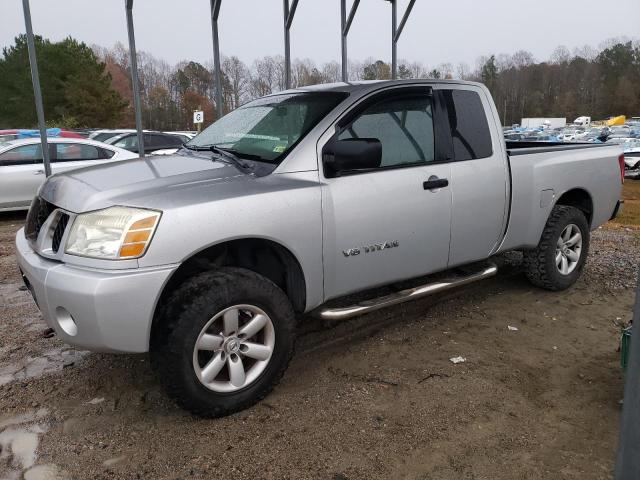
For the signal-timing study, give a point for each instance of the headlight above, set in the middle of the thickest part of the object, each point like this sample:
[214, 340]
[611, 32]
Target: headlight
[113, 233]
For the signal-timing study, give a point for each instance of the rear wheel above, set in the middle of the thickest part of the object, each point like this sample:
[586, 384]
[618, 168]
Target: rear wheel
[558, 260]
[225, 339]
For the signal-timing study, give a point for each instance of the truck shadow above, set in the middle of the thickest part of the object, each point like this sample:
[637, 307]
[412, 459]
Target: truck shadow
[127, 384]
[316, 334]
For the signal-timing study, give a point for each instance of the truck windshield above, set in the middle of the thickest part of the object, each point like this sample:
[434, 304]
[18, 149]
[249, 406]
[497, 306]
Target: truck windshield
[267, 128]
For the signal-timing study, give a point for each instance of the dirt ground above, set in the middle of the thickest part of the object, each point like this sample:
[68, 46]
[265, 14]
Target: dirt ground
[376, 397]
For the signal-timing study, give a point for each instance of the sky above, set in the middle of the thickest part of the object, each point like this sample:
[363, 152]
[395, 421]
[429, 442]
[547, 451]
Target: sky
[436, 32]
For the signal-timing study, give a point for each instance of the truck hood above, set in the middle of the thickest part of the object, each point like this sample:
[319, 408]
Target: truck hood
[154, 181]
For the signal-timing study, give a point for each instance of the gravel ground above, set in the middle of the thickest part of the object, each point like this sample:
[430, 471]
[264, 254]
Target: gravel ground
[376, 397]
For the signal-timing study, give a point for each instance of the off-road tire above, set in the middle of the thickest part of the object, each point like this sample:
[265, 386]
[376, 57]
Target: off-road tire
[539, 263]
[185, 314]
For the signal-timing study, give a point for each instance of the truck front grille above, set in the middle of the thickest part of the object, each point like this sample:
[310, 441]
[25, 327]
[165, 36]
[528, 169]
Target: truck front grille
[45, 215]
[59, 232]
[38, 213]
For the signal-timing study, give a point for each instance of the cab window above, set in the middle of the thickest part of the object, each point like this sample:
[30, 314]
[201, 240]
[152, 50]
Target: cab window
[404, 126]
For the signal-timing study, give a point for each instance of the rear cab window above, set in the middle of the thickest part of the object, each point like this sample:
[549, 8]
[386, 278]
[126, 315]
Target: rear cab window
[468, 124]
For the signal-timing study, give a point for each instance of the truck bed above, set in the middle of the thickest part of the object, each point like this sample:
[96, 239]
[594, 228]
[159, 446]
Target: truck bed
[524, 148]
[541, 173]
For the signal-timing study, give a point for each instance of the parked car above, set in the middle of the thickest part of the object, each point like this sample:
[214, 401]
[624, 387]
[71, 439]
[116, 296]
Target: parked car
[83, 132]
[631, 151]
[582, 121]
[571, 135]
[16, 134]
[204, 258]
[622, 131]
[614, 140]
[184, 136]
[514, 137]
[152, 141]
[595, 135]
[104, 135]
[538, 137]
[632, 159]
[22, 169]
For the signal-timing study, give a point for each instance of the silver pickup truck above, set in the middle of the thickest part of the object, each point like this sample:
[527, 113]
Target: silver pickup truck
[206, 258]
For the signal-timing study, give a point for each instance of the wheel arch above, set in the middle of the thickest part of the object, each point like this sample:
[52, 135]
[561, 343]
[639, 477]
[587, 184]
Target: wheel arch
[264, 256]
[580, 199]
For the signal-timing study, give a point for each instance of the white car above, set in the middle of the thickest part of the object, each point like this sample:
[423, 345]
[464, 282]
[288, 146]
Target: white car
[631, 149]
[22, 169]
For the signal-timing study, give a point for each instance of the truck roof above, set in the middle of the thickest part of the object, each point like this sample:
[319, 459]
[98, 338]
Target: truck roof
[363, 86]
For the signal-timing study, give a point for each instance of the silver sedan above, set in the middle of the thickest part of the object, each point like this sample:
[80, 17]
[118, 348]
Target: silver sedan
[22, 169]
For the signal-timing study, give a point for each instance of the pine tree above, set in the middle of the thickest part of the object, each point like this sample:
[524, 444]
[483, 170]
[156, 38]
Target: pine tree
[76, 90]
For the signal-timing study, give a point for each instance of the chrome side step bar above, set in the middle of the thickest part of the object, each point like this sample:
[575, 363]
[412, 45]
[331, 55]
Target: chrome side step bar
[405, 295]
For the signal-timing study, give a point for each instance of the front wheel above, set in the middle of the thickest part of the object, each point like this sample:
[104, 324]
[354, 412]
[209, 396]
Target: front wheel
[558, 260]
[225, 339]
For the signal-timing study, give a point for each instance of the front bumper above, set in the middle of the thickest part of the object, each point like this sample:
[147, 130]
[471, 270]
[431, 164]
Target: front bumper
[112, 310]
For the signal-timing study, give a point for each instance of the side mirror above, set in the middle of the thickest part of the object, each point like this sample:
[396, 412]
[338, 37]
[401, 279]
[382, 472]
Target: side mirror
[351, 154]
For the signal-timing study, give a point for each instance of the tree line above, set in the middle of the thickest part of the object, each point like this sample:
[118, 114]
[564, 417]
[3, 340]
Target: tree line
[598, 83]
[91, 86]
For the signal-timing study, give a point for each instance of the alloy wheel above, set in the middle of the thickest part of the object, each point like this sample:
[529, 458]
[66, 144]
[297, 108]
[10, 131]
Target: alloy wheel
[233, 348]
[568, 249]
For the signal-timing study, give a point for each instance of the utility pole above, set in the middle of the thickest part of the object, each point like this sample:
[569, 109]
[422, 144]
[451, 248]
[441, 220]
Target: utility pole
[37, 93]
[345, 25]
[128, 4]
[215, 12]
[396, 32]
[289, 12]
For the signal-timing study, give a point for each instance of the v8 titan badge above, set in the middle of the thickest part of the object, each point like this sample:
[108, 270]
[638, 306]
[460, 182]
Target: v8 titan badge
[376, 247]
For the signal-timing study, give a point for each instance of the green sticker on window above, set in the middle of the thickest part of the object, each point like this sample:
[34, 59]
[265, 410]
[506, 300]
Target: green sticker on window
[279, 148]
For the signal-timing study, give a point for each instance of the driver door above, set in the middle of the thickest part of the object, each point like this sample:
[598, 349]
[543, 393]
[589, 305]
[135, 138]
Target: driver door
[385, 224]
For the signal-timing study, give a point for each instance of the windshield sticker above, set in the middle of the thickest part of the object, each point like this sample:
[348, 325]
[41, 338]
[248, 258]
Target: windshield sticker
[251, 135]
[279, 148]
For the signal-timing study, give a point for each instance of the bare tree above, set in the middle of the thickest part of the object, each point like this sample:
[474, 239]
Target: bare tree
[586, 52]
[560, 55]
[264, 78]
[331, 72]
[463, 72]
[238, 77]
[354, 69]
[446, 70]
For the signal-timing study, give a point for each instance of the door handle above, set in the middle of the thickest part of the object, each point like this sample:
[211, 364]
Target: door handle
[434, 183]
[39, 172]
